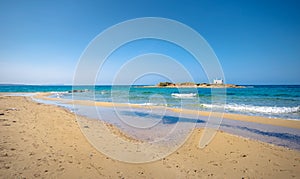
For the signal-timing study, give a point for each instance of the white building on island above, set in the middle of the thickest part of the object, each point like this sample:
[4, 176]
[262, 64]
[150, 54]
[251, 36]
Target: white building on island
[218, 81]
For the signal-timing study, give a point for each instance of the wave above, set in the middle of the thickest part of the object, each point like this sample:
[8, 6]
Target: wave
[58, 94]
[152, 104]
[257, 109]
[184, 95]
[103, 92]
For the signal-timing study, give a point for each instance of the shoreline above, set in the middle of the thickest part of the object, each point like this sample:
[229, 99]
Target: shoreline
[290, 123]
[52, 145]
[279, 132]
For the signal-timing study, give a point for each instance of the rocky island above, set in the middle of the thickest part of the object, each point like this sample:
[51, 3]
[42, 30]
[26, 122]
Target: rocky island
[195, 85]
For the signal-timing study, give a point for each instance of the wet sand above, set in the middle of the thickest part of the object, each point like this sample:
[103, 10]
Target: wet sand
[38, 140]
[256, 119]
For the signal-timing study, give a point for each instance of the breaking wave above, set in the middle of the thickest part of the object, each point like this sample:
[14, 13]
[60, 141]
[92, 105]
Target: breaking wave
[255, 109]
[184, 95]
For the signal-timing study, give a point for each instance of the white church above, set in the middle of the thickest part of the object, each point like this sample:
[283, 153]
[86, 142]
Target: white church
[218, 81]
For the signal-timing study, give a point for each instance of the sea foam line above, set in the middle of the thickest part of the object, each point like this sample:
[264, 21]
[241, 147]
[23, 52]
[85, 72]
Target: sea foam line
[259, 109]
[184, 95]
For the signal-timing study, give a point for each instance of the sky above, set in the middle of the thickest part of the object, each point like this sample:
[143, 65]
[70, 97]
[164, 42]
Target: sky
[256, 42]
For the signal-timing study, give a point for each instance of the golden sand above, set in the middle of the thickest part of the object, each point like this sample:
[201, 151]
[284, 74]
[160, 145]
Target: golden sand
[39, 140]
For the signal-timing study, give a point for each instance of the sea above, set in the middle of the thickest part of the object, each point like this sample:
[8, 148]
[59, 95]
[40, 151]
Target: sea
[272, 101]
[154, 124]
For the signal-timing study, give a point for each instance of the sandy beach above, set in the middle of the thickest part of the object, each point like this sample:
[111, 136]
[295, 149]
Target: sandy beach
[44, 141]
[160, 90]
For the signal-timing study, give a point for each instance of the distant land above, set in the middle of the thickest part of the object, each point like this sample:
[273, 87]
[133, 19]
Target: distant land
[194, 85]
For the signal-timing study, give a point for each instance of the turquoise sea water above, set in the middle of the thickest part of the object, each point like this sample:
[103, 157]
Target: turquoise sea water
[279, 101]
[154, 124]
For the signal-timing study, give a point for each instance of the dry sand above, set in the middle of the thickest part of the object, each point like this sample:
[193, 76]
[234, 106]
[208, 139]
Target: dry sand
[38, 140]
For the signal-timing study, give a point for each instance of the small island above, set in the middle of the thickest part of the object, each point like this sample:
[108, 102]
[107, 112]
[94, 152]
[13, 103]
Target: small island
[215, 84]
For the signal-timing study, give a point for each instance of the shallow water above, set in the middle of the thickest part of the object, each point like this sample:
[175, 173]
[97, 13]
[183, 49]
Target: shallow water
[274, 101]
[164, 121]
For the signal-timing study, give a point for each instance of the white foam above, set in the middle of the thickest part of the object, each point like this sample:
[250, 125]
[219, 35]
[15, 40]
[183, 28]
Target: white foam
[59, 94]
[103, 92]
[184, 95]
[152, 104]
[259, 109]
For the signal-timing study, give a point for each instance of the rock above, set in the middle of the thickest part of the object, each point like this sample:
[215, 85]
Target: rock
[78, 91]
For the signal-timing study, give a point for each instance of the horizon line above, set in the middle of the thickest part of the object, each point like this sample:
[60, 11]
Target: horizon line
[27, 84]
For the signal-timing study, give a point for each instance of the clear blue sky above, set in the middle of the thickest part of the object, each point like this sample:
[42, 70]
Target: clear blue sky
[257, 42]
